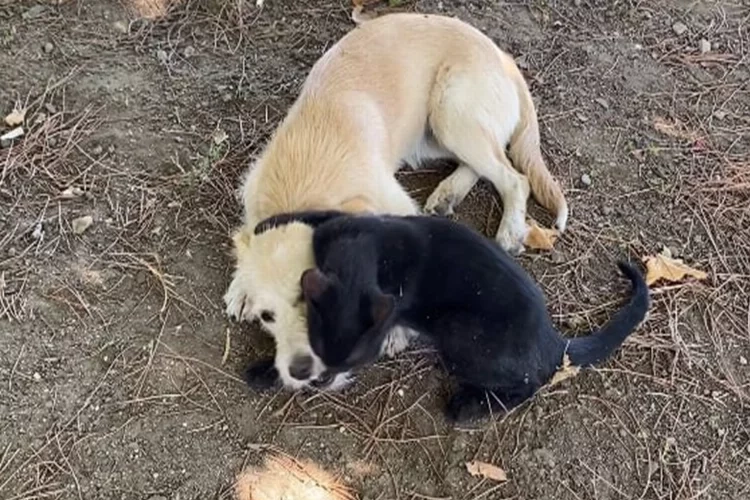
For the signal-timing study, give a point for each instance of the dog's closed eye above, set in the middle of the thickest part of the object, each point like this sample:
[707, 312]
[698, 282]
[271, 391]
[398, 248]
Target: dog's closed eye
[267, 316]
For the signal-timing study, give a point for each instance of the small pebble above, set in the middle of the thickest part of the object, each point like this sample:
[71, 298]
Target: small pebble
[602, 102]
[607, 210]
[48, 47]
[720, 115]
[162, 56]
[679, 28]
[37, 377]
[743, 360]
[120, 26]
[586, 180]
[189, 51]
[97, 150]
[704, 46]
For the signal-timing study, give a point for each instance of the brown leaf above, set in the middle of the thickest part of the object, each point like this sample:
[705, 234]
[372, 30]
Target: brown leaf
[566, 371]
[676, 129]
[663, 266]
[540, 238]
[16, 118]
[485, 470]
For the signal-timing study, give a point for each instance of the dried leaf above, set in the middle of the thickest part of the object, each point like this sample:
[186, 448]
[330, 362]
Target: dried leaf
[663, 266]
[485, 470]
[540, 238]
[566, 371]
[16, 118]
[676, 129]
[81, 224]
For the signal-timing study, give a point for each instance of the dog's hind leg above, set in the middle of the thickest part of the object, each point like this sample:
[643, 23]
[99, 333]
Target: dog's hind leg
[474, 118]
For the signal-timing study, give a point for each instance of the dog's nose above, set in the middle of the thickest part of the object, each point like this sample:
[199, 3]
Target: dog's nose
[301, 367]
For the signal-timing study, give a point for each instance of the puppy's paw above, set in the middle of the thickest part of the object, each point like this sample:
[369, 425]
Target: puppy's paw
[442, 201]
[262, 375]
[511, 237]
[236, 299]
[397, 340]
[465, 406]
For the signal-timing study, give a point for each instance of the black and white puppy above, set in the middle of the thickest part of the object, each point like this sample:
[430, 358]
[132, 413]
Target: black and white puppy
[480, 308]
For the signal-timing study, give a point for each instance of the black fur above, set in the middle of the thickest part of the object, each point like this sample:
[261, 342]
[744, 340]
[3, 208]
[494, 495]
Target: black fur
[485, 315]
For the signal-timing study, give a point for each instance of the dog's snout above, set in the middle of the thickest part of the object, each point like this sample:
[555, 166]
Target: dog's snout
[301, 367]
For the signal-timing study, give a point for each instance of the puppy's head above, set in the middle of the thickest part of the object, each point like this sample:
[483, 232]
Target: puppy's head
[347, 324]
[268, 269]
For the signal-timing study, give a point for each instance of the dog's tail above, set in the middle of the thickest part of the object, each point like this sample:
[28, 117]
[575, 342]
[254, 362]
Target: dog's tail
[526, 154]
[591, 350]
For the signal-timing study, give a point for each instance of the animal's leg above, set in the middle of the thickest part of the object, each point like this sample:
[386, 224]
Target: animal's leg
[474, 118]
[451, 191]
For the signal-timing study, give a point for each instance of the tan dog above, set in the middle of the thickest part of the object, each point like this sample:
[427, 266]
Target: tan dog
[400, 88]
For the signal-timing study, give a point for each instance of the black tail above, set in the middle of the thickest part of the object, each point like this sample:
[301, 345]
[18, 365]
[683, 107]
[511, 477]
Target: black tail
[592, 350]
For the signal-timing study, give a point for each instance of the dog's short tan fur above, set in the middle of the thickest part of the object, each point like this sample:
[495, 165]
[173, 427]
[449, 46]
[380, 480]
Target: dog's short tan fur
[400, 88]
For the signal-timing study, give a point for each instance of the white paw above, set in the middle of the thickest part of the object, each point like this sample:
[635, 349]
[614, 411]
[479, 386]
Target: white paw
[238, 304]
[441, 201]
[511, 236]
[397, 340]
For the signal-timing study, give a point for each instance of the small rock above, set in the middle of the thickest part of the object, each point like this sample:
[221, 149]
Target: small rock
[162, 56]
[704, 46]
[48, 47]
[607, 210]
[98, 150]
[37, 377]
[120, 26]
[81, 224]
[743, 360]
[602, 102]
[189, 51]
[586, 180]
[34, 12]
[679, 28]
[226, 97]
[720, 115]
[557, 257]
[581, 117]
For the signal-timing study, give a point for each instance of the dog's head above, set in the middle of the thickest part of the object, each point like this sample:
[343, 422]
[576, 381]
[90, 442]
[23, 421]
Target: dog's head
[268, 269]
[347, 323]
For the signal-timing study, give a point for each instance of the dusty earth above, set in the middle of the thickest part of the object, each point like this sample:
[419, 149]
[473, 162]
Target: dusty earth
[120, 377]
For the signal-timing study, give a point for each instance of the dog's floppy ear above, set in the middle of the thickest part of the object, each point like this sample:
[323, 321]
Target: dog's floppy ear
[368, 346]
[382, 308]
[314, 283]
[311, 218]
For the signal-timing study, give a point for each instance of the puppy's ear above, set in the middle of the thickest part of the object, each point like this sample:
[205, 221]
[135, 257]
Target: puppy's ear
[314, 283]
[382, 308]
[311, 218]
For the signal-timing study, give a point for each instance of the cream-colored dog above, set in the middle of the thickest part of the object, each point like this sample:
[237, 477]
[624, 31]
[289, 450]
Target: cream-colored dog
[399, 88]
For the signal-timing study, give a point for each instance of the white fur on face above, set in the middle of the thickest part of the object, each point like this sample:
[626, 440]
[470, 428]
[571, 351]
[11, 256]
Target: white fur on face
[267, 280]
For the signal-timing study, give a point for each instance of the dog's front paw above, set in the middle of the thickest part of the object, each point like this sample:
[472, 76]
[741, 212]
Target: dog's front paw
[397, 340]
[236, 299]
[262, 375]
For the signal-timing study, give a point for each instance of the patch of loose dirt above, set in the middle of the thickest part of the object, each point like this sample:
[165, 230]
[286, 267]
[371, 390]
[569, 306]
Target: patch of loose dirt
[112, 379]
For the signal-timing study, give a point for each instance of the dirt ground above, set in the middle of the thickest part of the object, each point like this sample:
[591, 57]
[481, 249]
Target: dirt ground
[120, 377]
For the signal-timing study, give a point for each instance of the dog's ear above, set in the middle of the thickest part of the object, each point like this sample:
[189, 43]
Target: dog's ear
[382, 308]
[367, 348]
[314, 283]
[311, 218]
